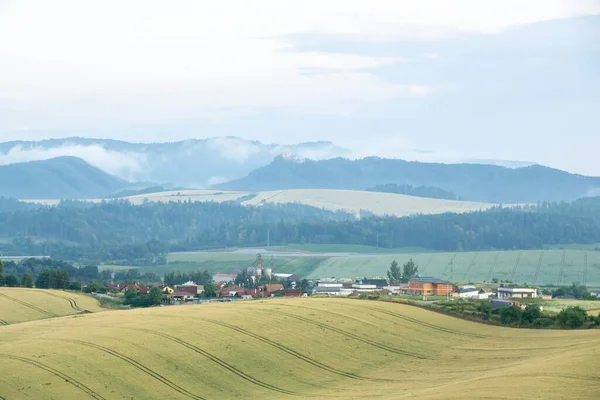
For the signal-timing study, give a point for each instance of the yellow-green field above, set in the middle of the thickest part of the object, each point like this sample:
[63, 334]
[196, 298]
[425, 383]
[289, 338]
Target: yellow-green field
[21, 305]
[291, 348]
[539, 267]
[331, 199]
[560, 304]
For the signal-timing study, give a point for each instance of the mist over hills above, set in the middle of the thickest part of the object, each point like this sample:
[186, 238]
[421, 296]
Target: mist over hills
[84, 168]
[62, 177]
[193, 163]
[473, 182]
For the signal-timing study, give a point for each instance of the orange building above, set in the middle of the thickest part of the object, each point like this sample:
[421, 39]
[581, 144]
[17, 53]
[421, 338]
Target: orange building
[429, 286]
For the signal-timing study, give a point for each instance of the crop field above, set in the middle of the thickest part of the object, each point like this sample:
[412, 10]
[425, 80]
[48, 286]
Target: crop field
[352, 201]
[542, 267]
[592, 306]
[21, 305]
[291, 348]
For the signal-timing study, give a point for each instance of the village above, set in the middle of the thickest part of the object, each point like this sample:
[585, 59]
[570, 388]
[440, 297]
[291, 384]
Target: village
[423, 287]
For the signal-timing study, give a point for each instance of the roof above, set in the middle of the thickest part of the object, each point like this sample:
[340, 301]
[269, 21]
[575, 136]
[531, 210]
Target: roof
[376, 282]
[430, 279]
[271, 287]
[188, 283]
[468, 290]
[510, 289]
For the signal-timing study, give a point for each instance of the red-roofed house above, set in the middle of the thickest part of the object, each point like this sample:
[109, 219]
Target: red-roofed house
[139, 287]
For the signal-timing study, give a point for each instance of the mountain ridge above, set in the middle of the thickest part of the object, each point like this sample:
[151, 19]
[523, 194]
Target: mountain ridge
[60, 177]
[474, 182]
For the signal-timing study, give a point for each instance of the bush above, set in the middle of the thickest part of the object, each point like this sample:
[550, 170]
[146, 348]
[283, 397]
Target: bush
[510, 315]
[531, 313]
[543, 322]
[572, 317]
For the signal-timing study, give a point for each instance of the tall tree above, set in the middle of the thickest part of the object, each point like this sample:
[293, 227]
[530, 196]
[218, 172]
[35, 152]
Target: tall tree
[394, 274]
[154, 296]
[409, 270]
[27, 281]
[43, 279]
[245, 279]
[12, 281]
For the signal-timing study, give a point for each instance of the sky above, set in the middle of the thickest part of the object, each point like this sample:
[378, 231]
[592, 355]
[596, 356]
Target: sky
[433, 79]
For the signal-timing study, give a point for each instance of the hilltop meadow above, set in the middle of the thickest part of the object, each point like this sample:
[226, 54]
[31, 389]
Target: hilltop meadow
[291, 348]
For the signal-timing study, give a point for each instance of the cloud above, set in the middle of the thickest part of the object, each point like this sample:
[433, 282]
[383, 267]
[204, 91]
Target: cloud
[126, 165]
[234, 149]
[163, 61]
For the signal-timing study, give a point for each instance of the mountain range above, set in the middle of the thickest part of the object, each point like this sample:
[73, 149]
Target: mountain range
[475, 182]
[194, 163]
[88, 168]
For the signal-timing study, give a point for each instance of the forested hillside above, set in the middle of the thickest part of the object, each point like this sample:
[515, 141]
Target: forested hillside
[473, 182]
[143, 234]
[58, 178]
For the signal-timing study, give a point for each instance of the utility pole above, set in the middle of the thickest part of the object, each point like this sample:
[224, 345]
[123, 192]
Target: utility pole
[268, 237]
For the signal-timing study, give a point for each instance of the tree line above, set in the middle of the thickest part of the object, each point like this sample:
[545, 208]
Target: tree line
[122, 233]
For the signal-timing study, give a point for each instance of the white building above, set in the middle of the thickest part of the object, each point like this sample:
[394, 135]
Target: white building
[519, 293]
[468, 292]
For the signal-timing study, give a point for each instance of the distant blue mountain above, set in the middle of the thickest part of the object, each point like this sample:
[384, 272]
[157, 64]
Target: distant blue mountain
[58, 178]
[474, 182]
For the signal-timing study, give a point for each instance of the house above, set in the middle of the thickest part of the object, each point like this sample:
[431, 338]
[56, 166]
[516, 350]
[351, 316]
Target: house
[168, 290]
[520, 293]
[377, 283]
[330, 284]
[271, 287]
[330, 291]
[396, 288]
[230, 291]
[180, 297]
[363, 287]
[189, 287]
[115, 287]
[136, 286]
[426, 285]
[468, 292]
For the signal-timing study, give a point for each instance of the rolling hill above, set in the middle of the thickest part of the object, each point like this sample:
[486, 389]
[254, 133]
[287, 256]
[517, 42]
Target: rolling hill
[353, 201]
[302, 348]
[474, 182]
[21, 305]
[59, 178]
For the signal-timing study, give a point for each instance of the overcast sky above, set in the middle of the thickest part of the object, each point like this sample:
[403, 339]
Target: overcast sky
[506, 79]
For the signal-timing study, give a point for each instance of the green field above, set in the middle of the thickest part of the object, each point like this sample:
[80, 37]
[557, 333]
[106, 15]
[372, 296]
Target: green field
[291, 348]
[542, 267]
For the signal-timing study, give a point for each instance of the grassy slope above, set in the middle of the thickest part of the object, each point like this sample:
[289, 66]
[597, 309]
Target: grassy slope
[375, 202]
[21, 305]
[464, 267]
[331, 199]
[294, 348]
